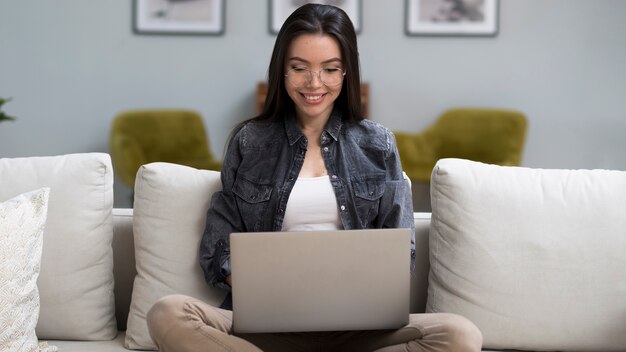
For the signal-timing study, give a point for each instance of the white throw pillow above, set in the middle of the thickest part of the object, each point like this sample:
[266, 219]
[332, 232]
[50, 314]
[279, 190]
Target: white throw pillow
[76, 278]
[22, 222]
[535, 258]
[171, 202]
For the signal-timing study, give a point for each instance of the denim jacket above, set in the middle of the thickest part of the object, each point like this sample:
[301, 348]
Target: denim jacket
[262, 163]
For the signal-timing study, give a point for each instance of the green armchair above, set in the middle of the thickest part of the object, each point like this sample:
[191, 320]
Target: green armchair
[143, 136]
[487, 135]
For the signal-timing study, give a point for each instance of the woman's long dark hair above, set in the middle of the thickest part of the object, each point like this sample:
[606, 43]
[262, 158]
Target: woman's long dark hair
[315, 19]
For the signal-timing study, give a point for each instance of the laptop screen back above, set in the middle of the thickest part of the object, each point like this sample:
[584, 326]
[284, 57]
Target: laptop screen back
[320, 280]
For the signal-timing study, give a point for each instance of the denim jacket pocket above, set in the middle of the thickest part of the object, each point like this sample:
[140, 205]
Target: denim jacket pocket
[368, 191]
[252, 198]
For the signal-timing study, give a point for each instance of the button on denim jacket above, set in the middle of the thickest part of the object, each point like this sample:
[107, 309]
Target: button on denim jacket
[262, 163]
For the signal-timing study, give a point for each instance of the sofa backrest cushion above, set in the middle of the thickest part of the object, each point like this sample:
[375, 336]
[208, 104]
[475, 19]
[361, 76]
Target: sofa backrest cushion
[76, 278]
[170, 208]
[124, 268]
[535, 258]
[419, 276]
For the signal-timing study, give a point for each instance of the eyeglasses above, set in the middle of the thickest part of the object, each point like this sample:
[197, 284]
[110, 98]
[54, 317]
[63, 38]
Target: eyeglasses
[300, 76]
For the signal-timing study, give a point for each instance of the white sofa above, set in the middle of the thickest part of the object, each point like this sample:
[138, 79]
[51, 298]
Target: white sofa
[124, 273]
[512, 249]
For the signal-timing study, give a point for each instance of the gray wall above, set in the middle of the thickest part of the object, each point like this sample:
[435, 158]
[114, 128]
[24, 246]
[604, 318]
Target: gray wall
[72, 65]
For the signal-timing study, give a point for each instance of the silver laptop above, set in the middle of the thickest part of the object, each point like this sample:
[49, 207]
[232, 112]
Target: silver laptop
[320, 280]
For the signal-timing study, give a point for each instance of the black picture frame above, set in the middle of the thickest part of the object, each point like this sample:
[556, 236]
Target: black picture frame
[175, 17]
[452, 18]
[279, 10]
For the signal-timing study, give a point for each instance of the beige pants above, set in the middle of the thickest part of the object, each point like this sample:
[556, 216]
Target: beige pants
[180, 323]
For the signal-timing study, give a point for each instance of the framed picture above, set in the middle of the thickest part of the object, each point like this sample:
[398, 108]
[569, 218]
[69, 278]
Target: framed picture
[200, 17]
[451, 17]
[281, 9]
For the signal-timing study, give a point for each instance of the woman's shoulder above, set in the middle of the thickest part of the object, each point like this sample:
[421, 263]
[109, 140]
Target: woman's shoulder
[254, 132]
[373, 126]
[371, 132]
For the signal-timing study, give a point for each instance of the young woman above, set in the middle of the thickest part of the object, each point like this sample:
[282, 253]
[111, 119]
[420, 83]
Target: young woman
[308, 162]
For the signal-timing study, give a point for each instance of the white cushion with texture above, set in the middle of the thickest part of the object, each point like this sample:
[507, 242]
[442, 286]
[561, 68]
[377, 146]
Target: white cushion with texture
[535, 258]
[171, 202]
[76, 278]
[22, 222]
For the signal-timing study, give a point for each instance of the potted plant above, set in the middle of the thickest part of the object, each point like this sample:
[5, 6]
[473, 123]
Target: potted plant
[3, 115]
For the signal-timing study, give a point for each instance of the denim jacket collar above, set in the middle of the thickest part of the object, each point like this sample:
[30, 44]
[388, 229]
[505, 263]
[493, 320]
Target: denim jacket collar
[332, 128]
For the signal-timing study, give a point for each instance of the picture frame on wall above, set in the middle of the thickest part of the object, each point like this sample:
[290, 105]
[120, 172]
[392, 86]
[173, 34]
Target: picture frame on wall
[451, 17]
[185, 17]
[281, 9]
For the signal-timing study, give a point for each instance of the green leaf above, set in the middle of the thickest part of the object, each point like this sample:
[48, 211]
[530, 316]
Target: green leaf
[3, 115]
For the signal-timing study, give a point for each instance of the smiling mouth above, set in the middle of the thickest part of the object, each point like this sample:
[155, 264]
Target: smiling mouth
[313, 98]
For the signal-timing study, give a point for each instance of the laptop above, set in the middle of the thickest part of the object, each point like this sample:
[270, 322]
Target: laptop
[320, 280]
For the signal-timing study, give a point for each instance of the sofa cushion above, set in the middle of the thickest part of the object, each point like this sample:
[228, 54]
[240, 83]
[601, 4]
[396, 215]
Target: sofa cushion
[534, 257]
[76, 278]
[170, 208]
[22, 221]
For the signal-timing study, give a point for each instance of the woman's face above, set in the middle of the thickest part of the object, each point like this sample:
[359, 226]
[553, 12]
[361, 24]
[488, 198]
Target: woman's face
[313, 95]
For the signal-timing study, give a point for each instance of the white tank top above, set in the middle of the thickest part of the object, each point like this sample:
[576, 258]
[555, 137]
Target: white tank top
[312, 206]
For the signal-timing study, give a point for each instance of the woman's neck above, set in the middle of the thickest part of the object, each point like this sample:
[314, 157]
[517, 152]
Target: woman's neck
[312, 128]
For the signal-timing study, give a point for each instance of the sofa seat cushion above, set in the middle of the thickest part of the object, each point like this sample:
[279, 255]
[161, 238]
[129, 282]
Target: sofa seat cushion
[535, 258]
[115, 345]
[76, 277]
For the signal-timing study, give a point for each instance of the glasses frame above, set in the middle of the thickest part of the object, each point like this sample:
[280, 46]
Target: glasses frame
[319, 76]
